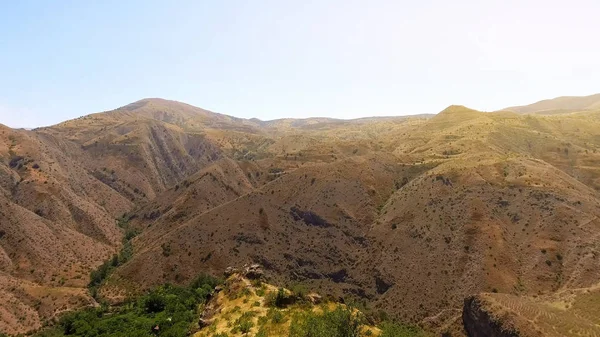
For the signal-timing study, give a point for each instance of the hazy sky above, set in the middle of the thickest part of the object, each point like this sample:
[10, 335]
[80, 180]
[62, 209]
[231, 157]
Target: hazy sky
[282, 58]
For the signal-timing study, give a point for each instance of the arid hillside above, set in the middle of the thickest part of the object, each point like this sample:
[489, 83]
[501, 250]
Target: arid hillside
[563, 104]
[56, 225]
[573, 312]
[408, 215]
[449, 206]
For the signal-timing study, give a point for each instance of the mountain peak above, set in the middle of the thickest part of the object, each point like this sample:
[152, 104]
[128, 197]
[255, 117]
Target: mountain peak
[165, 110]
[452, 109]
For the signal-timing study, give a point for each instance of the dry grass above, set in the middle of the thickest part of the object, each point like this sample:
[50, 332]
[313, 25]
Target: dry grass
[242, 297]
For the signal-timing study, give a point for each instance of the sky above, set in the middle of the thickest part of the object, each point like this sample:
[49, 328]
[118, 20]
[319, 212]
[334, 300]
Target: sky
[273, 59]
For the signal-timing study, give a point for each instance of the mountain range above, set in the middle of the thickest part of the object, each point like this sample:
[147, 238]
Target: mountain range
[432, 219]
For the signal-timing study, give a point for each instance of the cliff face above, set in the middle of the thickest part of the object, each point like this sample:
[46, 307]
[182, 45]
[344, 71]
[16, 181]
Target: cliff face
[479, 322]
[569, 313]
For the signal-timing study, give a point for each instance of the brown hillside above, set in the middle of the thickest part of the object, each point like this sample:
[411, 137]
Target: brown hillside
[56, 223]
[560, 105]
[474, 198]
[568, 313]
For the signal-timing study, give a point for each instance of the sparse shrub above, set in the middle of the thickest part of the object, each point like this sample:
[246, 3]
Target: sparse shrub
[260, 291]
[115, 260]
[279, 299]
[246, 292]
[244, 323]
[126, 253]
[130, 233]
[166, 249]
[262, 333]
[276, 316]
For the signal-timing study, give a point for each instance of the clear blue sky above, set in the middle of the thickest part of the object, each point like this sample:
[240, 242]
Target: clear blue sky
[280, 58]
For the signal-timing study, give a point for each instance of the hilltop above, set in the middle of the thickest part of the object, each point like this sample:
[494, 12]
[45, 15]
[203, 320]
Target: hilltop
[253, 307]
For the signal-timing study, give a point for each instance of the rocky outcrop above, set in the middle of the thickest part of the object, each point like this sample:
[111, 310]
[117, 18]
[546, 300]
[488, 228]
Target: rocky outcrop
[500, 314]
[254, 272]
[479, 322]
[251, 272]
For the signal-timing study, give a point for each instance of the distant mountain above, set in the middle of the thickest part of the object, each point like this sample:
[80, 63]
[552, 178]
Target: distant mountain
[560, 105]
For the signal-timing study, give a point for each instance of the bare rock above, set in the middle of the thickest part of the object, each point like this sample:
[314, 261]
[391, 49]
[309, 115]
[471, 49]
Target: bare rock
[314, 298]
[230, 271]
[479, 322]
[203, 323]
[254, 272]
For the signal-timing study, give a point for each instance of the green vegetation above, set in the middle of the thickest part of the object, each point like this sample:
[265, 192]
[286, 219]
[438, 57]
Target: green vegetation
[244, 323]
[345, 322]
[341, 322]
[103, 272]
[165, 311]
[275, 316]
[166, 249]
[399, 330]
[279, 299]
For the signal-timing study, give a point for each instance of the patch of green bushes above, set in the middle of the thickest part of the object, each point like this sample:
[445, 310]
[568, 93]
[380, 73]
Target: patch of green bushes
[389, 329]
[345, 322]
[341, 322]
[104, 270]
[173, 309]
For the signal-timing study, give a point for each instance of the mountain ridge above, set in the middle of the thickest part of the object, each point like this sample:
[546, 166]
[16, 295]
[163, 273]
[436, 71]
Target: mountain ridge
[562, 104]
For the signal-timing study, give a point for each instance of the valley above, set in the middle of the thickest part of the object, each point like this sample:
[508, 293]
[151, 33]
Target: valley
[430, 219]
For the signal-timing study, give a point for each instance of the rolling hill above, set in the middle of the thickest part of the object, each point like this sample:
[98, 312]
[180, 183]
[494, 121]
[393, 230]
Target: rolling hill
[562, 104]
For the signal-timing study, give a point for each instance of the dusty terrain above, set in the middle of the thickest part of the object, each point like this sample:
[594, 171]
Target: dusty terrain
[410, 215]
